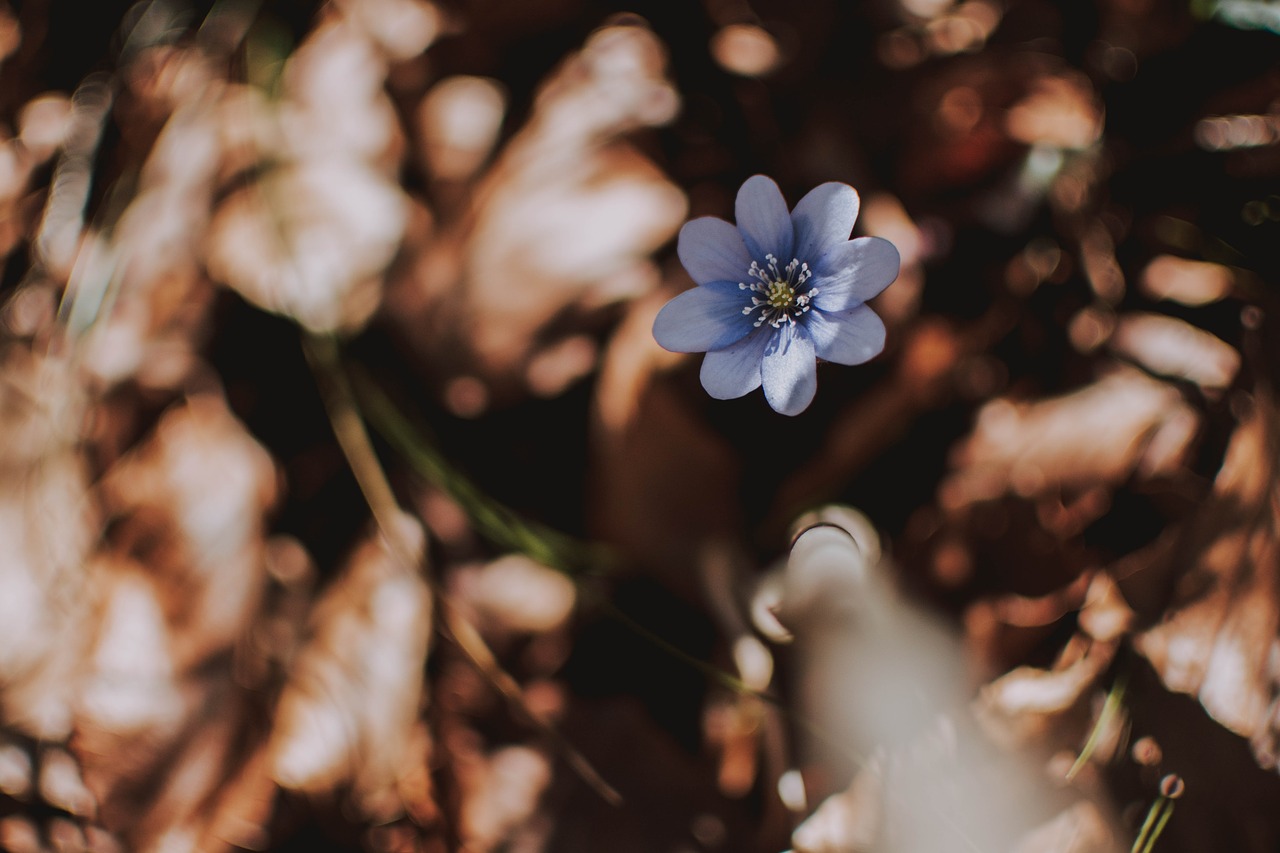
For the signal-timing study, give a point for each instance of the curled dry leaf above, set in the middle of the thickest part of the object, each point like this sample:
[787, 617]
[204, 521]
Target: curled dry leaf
[48, 521]
[369, 638]
[1218, 640]
[562, 224]
[309, 240]
[1123, 423]
[1028, 705]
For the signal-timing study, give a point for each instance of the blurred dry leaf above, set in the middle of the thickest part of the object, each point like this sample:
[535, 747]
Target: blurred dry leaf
[334, 105]
[309, 241]
[1028, 705]
[179, 590]
[1123, 423]
[143, 717]
[48, 521]
[369, 638]
[131, 681]
[191, 503]
[1172, 347]
[459, 120]
[44, 123]
[746, 49]
[515, 593]
[401, 28]
[1061, 110]
[158, 308]
[1185, 281]
[500, 794]
[10, 33]
[563, 223]
[1218, 640]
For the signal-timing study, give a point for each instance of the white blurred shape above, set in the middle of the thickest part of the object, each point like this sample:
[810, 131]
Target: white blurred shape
[791, 790]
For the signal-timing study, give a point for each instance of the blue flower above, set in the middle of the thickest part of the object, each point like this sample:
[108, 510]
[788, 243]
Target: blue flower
[777, 292]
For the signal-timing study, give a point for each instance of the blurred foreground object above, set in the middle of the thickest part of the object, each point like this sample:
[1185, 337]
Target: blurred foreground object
[886, 686]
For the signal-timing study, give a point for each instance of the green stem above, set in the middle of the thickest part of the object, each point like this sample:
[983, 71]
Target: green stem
[1110, 708]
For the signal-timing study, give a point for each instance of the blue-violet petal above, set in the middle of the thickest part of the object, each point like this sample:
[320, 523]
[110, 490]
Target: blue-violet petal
[712, 250]
[735, 370]
[846, 337]
[854, 272]
[823, 219]
[764, 220]
[707, 317]
[789, 372]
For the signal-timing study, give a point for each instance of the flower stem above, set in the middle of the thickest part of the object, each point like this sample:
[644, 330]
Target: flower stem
[325, 358]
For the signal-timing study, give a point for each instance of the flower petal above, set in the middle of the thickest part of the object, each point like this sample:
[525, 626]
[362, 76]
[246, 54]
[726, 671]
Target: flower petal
[853, 272]
[735, 371]
[763, 219]
[712, 250]
[846, 337]
[704, 318]
[789, 371]
[823, 219]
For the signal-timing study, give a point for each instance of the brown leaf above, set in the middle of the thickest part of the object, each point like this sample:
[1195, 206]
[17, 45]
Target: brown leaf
[370, 633]
[562, 224]
[192, 501]
[1101, 434]
[1218, 640]
[309, 241]
[1173, 347]
[48, 521]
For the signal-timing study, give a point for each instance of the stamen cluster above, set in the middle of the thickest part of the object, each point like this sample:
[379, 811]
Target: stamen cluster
[782, 298]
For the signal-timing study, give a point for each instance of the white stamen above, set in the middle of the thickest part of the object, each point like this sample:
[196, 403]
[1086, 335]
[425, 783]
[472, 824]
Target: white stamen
[781, 302]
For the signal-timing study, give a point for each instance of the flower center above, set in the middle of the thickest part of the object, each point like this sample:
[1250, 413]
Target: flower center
[782, 295]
